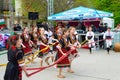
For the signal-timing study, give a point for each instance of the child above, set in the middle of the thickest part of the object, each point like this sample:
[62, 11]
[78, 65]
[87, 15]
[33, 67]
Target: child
[90, 38]
[108, 36]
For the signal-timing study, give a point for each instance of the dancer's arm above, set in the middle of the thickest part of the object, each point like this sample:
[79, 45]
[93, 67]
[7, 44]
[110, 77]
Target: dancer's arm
[59, 48]
[21, 62]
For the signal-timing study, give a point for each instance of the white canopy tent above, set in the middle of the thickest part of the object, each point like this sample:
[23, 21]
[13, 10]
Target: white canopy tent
[80, 13]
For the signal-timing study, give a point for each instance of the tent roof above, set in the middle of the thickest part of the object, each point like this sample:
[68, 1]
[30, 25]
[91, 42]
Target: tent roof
[80, 13]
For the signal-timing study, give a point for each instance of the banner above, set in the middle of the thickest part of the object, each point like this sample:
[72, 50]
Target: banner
[3, 38]
[2, 21]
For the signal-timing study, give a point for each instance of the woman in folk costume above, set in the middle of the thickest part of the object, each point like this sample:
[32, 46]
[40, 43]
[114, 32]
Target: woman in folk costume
[108, 36]
[52, 42]
[43, 44]
[63, 47]
[74, 42]
[57, 35]
[90, 38]
[28, 44]
[34, 36]
[34, 39]
[15, 63]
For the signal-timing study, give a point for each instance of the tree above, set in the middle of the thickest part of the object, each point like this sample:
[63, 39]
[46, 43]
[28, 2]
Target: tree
[62, 5]
[111, 6]
[34, 6]
[86, 3]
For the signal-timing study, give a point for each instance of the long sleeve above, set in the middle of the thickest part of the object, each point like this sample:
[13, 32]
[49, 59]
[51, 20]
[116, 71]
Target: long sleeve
[111, 34]
[86, 37]
[19, 56]
[92, 36]
[104, 36]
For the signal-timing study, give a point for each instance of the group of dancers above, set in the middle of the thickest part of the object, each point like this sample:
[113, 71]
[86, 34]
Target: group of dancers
[107, 38]
[57, 44]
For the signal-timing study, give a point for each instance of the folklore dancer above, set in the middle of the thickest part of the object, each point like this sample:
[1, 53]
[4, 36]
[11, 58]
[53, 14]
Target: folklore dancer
[73, 42]
[48, 33]
[57, 35]
[62, 49]
[28, 44]
[51, 42]
[43, 44]
[108, 36]
[55, 40]
[34, 36]
[16, 62]
[90, 38]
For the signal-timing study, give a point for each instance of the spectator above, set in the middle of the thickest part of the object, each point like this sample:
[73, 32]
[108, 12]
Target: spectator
[101, 28]
[94, 29]
[17, 27]
[117, 27]
[105, 27]
[81, 27]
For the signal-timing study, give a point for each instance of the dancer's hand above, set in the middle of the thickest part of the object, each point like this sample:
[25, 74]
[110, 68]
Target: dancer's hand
[48, 46]
[27, 74]
[72, 47]
[63, 53]
[79, 46]
[23, 46]
[56, 40]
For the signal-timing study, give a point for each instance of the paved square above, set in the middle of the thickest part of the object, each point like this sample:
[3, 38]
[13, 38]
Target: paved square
[96, 66]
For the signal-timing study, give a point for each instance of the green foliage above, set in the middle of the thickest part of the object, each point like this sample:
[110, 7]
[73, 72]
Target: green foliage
[62, 5]
[35, 6]
[111, 6]
[85, 3]
[13, 3]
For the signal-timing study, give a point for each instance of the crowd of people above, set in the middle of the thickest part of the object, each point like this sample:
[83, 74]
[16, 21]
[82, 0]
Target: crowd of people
[21, 47]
